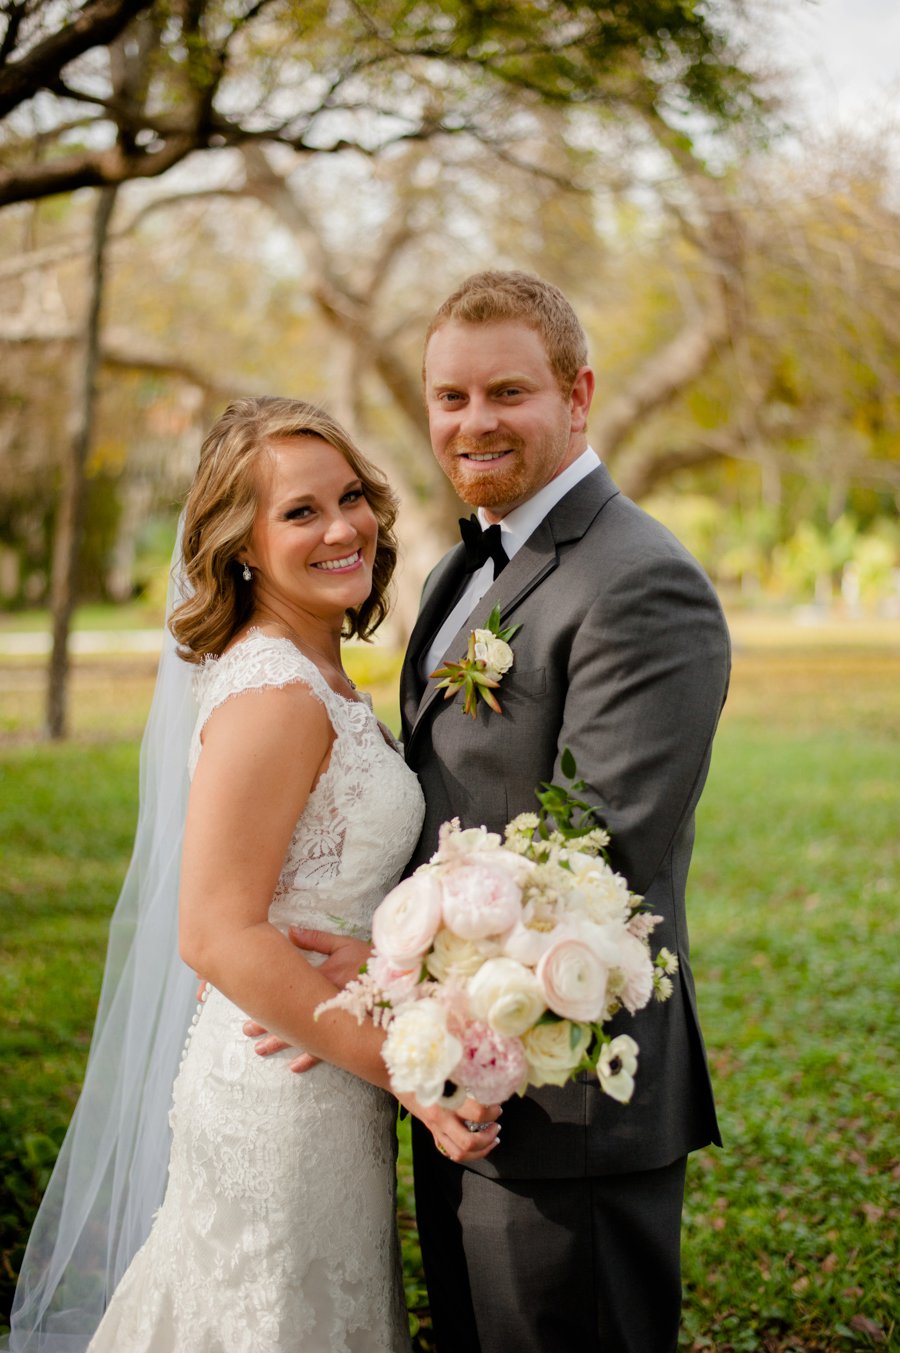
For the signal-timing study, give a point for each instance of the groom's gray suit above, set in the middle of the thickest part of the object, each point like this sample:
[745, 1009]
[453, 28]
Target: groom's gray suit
[622, 656]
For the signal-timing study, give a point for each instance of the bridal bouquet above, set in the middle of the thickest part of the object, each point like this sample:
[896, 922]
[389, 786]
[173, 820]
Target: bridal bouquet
[497, 964]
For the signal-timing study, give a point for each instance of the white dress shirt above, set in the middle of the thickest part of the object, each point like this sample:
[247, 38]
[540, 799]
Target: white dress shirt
[515, 529]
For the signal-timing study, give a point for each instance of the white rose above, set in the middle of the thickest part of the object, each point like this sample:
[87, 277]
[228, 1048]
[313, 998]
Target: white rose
[496, 655]
[506, 996]
[616, 1067]
[573, 973]
[420, 1052]
[453, 957]
[554, 1050]
[405, 923]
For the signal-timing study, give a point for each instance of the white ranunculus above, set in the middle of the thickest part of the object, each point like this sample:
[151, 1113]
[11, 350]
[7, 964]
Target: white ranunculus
[554, 1050]
[616, 1067]
[420, 1052]
[573, 973]
[495, 653]
[405, 923]
[453, 958]
[506, 995]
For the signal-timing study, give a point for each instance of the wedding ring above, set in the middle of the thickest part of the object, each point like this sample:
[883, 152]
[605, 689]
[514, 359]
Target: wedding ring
[476, 1127]
[442, 1149]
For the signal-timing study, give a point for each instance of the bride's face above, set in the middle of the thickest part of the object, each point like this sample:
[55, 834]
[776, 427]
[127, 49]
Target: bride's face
[314, 534]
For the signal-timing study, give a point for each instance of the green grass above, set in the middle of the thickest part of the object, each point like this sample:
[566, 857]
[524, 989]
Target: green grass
[789, 1231]
[129, 616]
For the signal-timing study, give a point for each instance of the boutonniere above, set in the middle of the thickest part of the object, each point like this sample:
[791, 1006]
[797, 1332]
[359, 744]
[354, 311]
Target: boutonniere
[488, 659]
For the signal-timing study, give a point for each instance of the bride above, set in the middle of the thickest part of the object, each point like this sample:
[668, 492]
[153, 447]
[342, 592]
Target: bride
[277, 1228]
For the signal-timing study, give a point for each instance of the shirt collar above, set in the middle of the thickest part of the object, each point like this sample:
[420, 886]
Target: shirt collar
[524, 520]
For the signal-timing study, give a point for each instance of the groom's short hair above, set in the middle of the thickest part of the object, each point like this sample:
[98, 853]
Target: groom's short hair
[497, 295]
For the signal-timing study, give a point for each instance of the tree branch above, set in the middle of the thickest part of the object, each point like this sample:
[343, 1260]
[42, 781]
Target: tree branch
[660, 380]
[95, 24]
[124, 350]
[90, 169]
[641, 473]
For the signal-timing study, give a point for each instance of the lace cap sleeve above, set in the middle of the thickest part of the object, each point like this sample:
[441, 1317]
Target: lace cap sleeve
[259, 662]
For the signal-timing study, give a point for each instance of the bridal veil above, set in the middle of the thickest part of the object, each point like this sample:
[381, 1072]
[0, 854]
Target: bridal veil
[110, 1176]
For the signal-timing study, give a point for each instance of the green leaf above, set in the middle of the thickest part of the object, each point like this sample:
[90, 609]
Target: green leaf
[567, 763]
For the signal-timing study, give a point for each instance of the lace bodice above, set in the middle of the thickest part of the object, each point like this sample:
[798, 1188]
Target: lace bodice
[364, 815]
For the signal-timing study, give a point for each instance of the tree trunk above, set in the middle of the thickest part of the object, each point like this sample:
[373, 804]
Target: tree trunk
[67, 540]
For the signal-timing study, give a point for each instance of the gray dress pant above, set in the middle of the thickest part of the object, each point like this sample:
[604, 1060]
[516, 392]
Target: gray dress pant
[584, 1265]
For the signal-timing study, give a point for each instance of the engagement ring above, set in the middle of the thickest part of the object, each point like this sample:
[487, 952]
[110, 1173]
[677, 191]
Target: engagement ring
[476, 1127]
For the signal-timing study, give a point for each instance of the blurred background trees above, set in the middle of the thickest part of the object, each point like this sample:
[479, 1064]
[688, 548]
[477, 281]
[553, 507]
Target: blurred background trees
[295, 186]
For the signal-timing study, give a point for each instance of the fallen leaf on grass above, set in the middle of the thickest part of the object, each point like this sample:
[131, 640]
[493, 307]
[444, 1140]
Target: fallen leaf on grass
[864, 1325]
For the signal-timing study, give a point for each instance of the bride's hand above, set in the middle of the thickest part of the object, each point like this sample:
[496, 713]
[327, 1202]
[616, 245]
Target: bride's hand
[448, 1128]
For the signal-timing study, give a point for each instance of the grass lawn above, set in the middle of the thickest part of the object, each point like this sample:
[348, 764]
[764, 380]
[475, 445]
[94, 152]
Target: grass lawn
[789, 1240]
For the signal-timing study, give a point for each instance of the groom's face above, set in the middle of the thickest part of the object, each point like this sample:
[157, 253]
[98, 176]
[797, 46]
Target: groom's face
[501, 427]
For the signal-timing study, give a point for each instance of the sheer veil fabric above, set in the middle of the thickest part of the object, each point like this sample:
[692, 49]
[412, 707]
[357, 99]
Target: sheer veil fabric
[110, 1176]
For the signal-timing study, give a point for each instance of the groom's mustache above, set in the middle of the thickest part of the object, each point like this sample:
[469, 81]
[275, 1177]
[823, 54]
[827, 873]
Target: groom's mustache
[461, 445]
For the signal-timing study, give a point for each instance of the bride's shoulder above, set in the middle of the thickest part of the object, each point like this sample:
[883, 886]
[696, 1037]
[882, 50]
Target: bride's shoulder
[255, 660]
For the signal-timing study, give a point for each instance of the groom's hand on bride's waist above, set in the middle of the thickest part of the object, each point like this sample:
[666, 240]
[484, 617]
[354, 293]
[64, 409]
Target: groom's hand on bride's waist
[344, 956]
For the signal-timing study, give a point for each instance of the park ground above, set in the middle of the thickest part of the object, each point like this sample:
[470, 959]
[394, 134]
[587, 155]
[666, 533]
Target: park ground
[790, 1230]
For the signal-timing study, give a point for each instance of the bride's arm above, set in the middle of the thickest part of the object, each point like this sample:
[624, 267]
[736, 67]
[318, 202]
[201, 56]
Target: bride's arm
[262, 754]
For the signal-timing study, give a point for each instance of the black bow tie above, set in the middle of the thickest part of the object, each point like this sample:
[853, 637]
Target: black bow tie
[481, 545]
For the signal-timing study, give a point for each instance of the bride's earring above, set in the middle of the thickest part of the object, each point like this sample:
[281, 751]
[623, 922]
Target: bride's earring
[247, 575]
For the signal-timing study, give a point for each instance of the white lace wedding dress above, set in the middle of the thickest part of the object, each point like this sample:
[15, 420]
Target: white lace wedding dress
[277, 1233]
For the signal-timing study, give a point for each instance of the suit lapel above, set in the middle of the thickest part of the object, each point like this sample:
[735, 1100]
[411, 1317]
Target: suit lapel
[441, 590]
[537, 558]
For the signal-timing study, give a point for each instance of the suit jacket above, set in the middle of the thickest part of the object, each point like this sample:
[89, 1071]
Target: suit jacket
[623, 656]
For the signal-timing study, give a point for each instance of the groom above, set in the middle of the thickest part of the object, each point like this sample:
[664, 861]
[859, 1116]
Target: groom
[567, 1238]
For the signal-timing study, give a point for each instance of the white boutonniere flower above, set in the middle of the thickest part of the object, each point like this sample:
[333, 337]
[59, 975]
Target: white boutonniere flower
[488, 659]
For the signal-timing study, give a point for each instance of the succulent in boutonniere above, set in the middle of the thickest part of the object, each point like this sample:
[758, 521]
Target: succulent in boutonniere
[488, 658]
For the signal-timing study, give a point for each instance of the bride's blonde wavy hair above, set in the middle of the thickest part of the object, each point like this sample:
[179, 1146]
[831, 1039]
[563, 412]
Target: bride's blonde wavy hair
[221, 507]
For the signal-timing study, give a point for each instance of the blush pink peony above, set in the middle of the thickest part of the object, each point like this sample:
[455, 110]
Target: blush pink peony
[481, 899]
[492, 1067]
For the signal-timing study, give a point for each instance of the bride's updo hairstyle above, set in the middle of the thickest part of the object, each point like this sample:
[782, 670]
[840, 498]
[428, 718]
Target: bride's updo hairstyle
[221, 508]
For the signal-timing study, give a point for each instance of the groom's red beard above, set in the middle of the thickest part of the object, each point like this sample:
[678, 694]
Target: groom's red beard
[494, 485]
